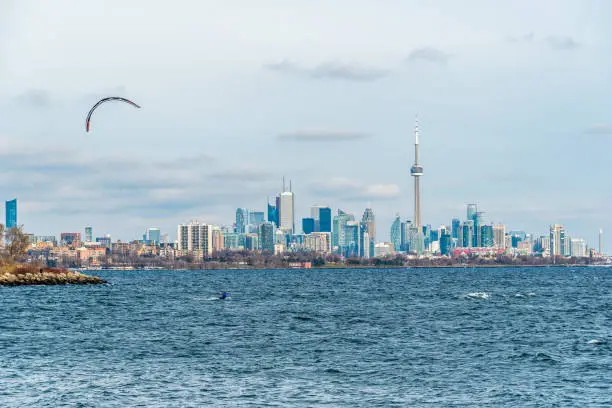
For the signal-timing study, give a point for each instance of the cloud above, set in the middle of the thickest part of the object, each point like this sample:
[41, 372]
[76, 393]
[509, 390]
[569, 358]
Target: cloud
[562, 43]
[320, 135]
[601, 129]
[37, 98]
[244, 174]
[332, 70]
[523, 38]
[350, 190]
[429, 54]
[553, 41]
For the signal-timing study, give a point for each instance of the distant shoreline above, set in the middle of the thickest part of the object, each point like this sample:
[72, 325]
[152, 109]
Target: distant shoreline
[336, 267]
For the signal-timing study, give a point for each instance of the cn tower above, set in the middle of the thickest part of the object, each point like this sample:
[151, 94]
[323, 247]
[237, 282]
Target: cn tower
[417, 172]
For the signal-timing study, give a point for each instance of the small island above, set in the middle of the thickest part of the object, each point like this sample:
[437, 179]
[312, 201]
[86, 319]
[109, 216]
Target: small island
[17, 275]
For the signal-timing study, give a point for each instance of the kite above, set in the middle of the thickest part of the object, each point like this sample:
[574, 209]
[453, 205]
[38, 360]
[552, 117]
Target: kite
[100, 102]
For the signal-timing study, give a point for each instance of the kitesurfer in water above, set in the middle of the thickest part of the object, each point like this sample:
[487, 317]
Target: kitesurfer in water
[223, 296]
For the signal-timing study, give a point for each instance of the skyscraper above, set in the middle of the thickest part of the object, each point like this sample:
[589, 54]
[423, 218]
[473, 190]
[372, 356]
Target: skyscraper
[471, 211]
[242, 217]
[600, 249]
[308, 225]
[455, 225]
[325, 220]
[370, 221]
[396, 233]
[256, 217]
[266, 236]
[11, 214]
[555, 239]
[487, 236]
[88, 234]
[445, 244]
[272, 213]
[499, 236]
[153, 236]
[339, 233]
[286, 210]
[195, 238]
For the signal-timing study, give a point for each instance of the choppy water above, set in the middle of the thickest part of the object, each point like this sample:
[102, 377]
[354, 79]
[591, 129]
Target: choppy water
[342, 338]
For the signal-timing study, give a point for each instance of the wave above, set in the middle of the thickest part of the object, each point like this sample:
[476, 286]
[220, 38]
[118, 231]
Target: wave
[595, 341]
[477, 295]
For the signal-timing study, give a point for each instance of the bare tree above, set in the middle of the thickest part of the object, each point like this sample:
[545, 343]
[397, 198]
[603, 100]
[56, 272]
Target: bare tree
[16, 243]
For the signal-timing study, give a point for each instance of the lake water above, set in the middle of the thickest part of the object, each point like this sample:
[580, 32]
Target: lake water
[515, 337]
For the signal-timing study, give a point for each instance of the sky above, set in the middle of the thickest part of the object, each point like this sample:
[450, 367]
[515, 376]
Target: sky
[514, 101]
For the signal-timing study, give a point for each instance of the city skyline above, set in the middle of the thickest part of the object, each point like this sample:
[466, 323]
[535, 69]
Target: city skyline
[502, 100]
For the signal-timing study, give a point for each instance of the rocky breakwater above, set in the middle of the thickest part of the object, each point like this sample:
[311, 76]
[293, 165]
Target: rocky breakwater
[31, 275]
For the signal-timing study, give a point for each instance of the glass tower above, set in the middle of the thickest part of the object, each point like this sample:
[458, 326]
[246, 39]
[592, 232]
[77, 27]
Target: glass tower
[11, 214]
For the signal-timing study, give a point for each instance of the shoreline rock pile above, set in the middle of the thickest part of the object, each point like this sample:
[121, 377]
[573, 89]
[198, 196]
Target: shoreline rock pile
[16, 275]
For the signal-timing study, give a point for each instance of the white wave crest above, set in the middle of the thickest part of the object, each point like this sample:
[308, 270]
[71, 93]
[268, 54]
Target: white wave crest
[477, 295]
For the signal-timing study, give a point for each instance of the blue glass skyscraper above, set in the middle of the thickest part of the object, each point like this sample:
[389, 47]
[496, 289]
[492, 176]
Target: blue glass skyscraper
[11, 214]
[242, 217]
[308, 225]
[325, 219]
[273, 214]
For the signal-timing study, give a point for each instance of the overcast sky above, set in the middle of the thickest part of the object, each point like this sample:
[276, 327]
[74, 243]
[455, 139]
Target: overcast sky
[514, 100]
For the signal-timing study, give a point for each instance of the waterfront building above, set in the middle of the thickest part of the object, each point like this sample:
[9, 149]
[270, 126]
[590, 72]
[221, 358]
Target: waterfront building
[11, 214]
[555, 239]
[319, 242]
[566, 246]
[396, 233]
[382, 249]
[578, 248]
[195, 238]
